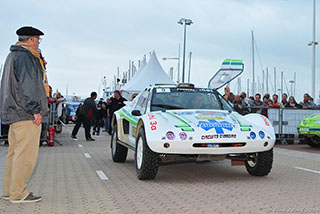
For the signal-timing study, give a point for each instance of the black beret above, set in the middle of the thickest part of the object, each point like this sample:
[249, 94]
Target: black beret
[29, 31]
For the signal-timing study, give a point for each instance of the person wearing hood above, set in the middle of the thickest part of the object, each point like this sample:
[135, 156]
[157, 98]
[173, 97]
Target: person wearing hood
[23, 105]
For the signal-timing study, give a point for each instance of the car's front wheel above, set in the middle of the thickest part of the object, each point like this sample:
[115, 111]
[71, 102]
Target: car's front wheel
[260, 163]
[146, 161]
[118, 152]
[312, 141]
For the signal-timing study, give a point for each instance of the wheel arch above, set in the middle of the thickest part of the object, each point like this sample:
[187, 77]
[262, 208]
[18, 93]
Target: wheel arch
[139, 125]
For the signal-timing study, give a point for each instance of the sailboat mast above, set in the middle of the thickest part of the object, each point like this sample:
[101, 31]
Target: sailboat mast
[253, 77]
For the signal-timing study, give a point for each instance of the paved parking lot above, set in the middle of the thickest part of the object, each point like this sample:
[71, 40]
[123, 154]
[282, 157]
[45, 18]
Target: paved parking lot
[80, 177]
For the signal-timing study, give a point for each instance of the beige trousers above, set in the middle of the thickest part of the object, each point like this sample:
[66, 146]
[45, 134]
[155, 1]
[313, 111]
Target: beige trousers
[24, 137]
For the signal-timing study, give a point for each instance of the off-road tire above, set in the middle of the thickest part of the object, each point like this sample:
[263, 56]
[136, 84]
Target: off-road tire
[312, 141]
[119, 153]
[149, 161]
[262, 164]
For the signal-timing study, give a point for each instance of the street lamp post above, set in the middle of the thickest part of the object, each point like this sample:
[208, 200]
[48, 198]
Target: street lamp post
[313, 43]
[175, 58]
[184, 22]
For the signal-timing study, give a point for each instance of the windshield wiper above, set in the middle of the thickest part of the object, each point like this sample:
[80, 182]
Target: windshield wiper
[167, 106]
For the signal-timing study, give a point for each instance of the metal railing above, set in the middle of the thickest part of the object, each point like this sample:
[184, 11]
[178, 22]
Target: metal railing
[285, 121]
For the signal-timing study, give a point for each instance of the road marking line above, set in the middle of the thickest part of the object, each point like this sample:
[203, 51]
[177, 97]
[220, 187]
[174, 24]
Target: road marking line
[308, 170]
[87, 155]
[102, 175]
[80, 145]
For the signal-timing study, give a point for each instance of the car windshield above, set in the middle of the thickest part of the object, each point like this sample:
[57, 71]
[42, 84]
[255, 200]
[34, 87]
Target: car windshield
[187, 98]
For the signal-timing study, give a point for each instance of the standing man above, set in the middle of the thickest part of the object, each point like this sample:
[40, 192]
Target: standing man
[23, 104]
[284, 99]
[117, 102]
[87, 113]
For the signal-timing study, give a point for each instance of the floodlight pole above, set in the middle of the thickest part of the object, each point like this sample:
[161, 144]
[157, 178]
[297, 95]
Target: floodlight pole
[314, 43]
[184, 22]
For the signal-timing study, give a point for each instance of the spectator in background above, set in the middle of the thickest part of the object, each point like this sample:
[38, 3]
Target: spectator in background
[244, 98]
[265, 100]
[284, 99]
[272, 105]
[257, 103]
[78, 111]
[107, 116]
[239, 106]
[228, 95]
[275, 100]
[68, 113]
[98, 120]
[306, 103]
[117, 102]
[251, 100]
[87, 113]
[318, 102]
[267, 95]
[292, 103]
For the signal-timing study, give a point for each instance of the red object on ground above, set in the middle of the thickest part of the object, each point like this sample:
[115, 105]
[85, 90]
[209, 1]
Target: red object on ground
[51, 136]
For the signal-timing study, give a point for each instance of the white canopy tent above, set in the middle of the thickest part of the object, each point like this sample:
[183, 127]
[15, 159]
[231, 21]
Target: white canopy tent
[152, 73]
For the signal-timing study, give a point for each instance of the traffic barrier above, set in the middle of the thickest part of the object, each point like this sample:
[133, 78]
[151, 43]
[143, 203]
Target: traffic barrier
[285, 121]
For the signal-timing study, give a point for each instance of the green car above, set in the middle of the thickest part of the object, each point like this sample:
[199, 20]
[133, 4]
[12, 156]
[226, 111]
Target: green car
[310, 128]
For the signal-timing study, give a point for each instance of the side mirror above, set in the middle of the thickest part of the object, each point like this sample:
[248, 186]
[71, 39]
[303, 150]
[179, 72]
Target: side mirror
[136, 113]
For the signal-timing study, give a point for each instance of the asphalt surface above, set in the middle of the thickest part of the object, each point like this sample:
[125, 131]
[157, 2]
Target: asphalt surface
[80, 177]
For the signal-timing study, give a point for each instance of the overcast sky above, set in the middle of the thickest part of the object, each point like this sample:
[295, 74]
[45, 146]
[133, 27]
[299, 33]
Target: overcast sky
[86, 39]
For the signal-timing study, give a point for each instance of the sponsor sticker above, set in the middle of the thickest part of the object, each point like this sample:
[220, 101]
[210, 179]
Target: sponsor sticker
[265, 120]
[219, 126]
[163, 90]
[216, 136]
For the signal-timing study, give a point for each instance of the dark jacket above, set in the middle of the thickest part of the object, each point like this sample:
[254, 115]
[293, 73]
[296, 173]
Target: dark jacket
[89, 108]
[22, 92]
[116, 104]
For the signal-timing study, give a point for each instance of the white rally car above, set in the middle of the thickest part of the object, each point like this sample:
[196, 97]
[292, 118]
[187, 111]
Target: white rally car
[168, 123]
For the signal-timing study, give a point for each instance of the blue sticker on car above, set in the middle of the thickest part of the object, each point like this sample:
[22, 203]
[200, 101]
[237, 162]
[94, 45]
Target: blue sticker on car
[217, 125]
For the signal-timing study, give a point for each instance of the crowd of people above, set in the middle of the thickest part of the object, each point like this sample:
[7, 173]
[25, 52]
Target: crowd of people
[99, 116]
[244, 105]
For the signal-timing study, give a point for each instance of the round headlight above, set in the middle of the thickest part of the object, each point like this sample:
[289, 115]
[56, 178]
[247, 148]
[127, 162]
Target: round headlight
[261, 134]
[170, 135]
[183, 136]
[252, 135]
